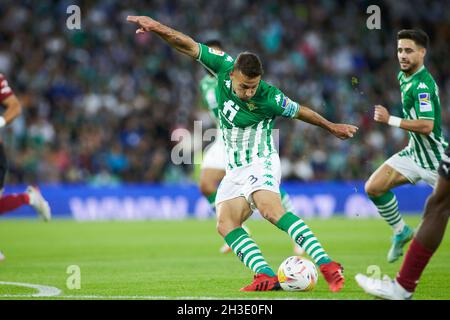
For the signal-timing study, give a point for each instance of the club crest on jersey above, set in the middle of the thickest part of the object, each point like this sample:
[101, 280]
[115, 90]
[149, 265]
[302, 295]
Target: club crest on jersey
[216, 52]
[251, 106]
[424, 102]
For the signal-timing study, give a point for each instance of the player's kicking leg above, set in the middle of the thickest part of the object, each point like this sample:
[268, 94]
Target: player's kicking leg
[426, 241]
[378, 189]
[288, 207]
[269, 204]
[31, 197]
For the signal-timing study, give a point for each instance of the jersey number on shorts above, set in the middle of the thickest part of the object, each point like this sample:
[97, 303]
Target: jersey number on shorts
[252, 179]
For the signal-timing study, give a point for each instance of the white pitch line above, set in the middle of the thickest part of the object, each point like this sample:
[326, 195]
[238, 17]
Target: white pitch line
[43, 291]
[53, 292]
[168, 298]
[133, 297]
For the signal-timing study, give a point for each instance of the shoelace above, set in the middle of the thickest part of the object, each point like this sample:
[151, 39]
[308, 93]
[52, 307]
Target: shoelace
[339, 273]
[262, 286]
[336, 275]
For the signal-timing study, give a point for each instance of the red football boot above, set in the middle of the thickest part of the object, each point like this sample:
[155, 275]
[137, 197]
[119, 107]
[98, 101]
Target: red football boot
[263, 282]
[333, 273]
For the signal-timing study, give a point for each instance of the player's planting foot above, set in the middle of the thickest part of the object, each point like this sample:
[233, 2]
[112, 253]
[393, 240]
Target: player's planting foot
[39, 204]
[333, 273]
[398, 241]
[263, 282]
[2, 257]
[386, 289]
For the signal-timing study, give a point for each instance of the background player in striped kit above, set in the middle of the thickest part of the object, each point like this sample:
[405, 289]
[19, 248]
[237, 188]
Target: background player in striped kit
[214, 160]
[422, 120]
[247, 109]
[425, 243]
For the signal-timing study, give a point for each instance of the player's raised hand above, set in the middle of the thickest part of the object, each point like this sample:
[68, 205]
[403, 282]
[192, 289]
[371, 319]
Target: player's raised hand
[344, 131]
[381, 114]
[145, 24]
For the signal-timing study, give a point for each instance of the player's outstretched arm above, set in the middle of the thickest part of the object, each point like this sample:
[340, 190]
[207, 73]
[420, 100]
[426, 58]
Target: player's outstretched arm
[342, 131]
[175, 39]
[421, 126]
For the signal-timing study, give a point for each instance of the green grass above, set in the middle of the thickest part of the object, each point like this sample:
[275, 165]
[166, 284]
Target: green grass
[179, 259]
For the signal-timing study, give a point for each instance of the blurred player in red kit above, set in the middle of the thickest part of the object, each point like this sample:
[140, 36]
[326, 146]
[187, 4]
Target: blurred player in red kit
[32, 196]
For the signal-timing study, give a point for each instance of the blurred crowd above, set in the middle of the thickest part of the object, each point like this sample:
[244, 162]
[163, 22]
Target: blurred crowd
[101, 103]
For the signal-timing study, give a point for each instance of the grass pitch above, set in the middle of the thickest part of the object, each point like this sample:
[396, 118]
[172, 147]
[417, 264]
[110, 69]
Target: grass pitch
[181, 259]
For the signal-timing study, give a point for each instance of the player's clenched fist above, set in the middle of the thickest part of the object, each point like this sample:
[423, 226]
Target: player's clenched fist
[145, 23]
[381, 114]
[344, 131]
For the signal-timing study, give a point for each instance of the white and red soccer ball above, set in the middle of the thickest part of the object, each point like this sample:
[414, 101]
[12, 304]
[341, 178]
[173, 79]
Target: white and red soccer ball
[297, 274]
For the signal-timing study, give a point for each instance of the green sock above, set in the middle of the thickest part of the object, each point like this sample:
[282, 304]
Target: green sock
[247, 251]
[387, 206]
[212, 199]
[297, 229]
[286, 201]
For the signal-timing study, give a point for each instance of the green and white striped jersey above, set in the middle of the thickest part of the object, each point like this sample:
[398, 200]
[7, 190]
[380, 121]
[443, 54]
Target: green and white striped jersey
[246, 125]
[420, 99]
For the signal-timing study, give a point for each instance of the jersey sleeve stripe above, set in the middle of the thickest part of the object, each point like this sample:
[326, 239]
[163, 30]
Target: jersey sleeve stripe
[426, 118]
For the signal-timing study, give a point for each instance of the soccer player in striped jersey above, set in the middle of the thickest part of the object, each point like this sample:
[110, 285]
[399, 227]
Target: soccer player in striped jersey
[422, 120]
[214, 160]
[247, 108]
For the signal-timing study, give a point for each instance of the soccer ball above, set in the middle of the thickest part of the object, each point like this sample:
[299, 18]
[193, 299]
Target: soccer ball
[297, 274]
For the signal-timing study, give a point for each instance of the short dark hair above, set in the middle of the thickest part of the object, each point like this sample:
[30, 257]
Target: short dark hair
[418, 36]
[214, 43]
[249, 64]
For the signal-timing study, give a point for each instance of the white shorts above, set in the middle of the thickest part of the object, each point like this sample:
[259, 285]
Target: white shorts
[411, 170]
[261, 174]
[214, 156]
